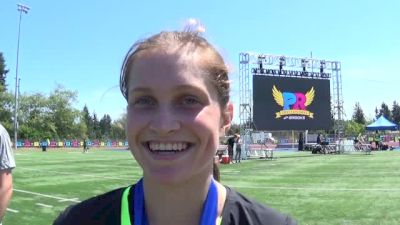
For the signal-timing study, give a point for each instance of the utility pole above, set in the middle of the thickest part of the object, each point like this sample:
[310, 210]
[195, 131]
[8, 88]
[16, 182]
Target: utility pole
[21, 9]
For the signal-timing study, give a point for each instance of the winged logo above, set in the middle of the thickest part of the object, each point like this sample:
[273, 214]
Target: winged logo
[279, 97]
[309, 96]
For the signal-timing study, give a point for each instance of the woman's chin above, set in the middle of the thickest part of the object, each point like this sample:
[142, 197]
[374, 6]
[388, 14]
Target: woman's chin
[168, 176]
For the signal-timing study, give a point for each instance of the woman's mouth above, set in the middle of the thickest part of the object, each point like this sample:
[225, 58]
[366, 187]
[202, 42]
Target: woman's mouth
[160, 147]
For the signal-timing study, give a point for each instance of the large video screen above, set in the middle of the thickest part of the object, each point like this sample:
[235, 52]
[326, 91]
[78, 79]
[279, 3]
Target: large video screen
[289, 103]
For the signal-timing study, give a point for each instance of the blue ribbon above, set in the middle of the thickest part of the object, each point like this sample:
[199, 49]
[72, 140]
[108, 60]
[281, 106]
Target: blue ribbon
[208, 214]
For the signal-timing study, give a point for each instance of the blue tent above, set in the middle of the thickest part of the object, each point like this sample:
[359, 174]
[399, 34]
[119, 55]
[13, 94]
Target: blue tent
[382, 124]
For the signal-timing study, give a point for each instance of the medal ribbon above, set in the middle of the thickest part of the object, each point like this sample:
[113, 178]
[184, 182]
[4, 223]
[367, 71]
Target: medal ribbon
[208, 214]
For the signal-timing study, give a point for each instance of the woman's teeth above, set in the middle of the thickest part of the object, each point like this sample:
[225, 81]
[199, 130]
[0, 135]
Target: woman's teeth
[167, 146]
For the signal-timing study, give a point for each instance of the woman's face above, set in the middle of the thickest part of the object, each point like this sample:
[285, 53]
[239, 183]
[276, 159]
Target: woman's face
[174, 119]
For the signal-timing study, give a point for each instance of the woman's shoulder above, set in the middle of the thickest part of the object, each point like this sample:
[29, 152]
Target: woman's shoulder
[242, 210]
[101, 209]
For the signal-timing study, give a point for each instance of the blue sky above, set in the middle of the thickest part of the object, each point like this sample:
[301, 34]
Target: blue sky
[81, 44]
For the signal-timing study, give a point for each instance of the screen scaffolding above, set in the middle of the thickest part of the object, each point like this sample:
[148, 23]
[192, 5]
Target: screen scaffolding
[254, 64]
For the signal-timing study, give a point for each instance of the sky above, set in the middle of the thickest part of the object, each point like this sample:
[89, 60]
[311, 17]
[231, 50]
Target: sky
[81, 44]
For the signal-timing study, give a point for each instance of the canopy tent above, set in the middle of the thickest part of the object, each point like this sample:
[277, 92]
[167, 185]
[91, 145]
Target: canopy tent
[382, 124]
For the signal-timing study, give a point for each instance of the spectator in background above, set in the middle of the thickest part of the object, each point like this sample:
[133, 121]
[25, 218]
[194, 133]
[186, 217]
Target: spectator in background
[85, 147]
[301, 142]
[398, 138]
[44, 145]
[377, 139]
[7, 163]
[231, 143]
[238, 143]
[319, 139]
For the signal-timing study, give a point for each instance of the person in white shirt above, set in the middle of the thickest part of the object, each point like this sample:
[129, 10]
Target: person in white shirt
[7, 163]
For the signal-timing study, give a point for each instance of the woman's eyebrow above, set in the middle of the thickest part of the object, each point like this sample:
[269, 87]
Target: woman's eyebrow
[139, 90]
[187, 87]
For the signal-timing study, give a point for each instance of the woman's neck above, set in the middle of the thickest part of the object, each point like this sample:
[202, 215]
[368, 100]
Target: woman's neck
[179, 203]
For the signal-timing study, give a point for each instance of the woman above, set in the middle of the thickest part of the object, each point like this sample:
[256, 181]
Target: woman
[177, 88]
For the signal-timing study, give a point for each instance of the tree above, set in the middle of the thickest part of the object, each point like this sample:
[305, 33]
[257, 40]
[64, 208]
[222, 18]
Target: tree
[6, 110]
[358, 115]
[3, 74]
[53, 117]
[105, 126]
[79, 129]
[87, 119]
[234, 129]
[353, 128]
[117, 130]
[35, 121]
[396, 112]
[384, 110]
[96, 127]
[64, 116]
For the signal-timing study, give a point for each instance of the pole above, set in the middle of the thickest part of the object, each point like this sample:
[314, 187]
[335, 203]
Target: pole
[339, 105]
[293, 139]
[21, 9]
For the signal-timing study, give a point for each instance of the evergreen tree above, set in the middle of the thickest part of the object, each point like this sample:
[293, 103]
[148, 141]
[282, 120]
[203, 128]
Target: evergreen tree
[96, 127]
[3, 73]
[105, 126]
[358, 115]
[88, 121]
[385, 111]
[396, 113]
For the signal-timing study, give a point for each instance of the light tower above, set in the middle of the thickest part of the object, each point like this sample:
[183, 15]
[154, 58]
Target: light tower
[21, 9]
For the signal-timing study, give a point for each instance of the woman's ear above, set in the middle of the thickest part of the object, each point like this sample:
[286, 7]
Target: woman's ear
[226, 119]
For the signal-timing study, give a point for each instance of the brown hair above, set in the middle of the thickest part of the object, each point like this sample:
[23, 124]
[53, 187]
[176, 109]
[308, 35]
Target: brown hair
[216, 172]
[190, 42]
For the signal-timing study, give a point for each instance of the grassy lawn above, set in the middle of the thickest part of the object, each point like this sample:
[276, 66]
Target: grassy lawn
[314, 189]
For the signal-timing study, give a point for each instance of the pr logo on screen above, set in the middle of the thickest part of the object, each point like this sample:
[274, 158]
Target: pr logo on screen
[294, 104]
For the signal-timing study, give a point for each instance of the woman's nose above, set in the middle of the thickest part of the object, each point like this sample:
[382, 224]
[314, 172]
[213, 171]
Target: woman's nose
[164, 121]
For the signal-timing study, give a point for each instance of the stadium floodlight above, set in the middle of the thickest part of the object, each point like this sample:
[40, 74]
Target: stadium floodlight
[22, 9]
[304, 63]
[322, 67]
[282, 62]
[260, 60]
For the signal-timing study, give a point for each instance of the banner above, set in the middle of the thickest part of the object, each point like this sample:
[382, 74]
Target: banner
[70, 143]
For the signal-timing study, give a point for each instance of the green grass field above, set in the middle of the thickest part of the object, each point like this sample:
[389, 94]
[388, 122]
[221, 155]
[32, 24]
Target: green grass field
[314, 189]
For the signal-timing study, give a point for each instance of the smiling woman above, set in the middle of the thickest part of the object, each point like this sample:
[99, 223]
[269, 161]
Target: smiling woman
[177, 89]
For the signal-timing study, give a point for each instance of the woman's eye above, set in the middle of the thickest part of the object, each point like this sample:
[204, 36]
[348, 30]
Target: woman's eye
[190, 101]
[144, 101]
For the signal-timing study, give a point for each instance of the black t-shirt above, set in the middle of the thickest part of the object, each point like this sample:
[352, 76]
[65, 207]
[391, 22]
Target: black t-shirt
[240, 210]
[105, 209]
[231, 141]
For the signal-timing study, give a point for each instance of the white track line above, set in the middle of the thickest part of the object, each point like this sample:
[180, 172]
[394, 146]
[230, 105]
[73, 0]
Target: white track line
[48, 196]
[44, 205]
[12, 210]
[66, 200]
[318, 189]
